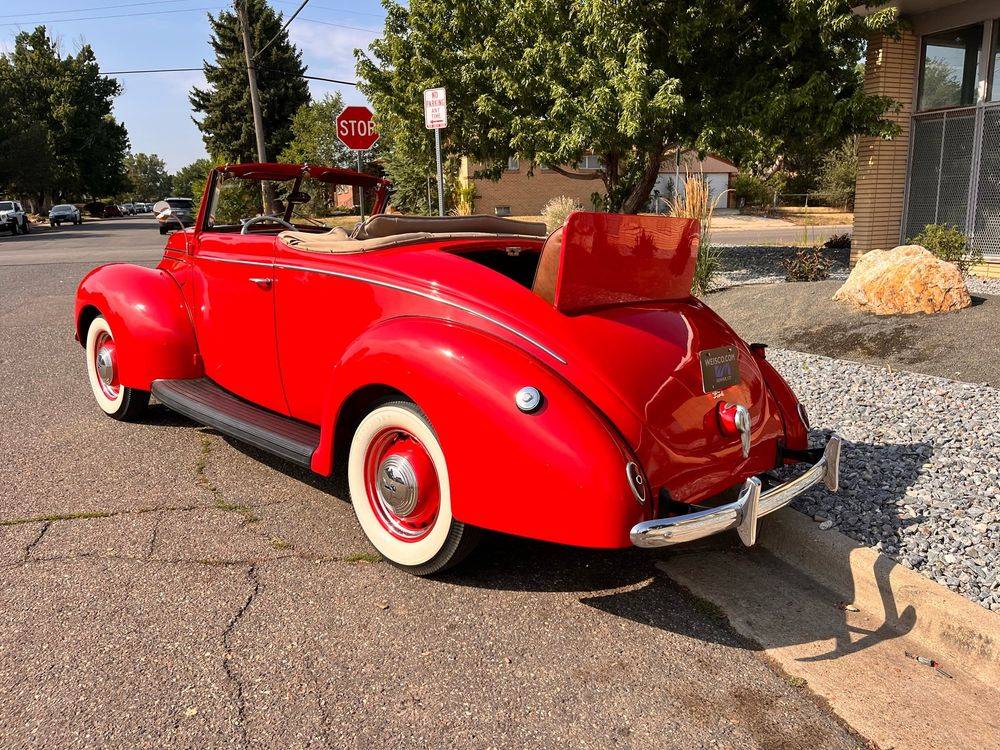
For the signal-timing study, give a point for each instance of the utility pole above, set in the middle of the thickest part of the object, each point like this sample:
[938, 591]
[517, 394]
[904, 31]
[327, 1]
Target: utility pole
[258, 119]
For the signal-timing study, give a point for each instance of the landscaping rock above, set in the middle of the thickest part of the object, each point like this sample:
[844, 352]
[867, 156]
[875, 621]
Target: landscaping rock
[907, 279]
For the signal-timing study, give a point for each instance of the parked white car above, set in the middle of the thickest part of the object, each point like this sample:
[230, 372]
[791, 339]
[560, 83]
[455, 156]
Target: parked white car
[13, 218]
[64, 213]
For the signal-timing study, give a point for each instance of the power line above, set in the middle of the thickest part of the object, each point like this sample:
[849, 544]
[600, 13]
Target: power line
[119, 15]
[281, 30]
[342, 26]
[336, 10]
[186, 70]
[108, 7]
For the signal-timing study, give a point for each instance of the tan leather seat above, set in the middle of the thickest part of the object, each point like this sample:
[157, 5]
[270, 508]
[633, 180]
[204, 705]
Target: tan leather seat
[547, 272]
[385, 225]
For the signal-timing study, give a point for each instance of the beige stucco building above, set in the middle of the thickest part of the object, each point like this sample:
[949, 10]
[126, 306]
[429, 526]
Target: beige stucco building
[523, 190]
[944, 166]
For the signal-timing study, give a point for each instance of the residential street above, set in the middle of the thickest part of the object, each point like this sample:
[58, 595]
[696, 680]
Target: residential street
[162, 586]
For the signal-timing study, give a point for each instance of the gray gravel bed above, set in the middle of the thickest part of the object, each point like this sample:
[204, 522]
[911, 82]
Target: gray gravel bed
[762, 265]
[920, 473]
[983, 286]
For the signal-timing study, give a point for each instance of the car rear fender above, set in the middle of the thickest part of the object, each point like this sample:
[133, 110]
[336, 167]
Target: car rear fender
[148, 318]
[796, 432]
[557, 474]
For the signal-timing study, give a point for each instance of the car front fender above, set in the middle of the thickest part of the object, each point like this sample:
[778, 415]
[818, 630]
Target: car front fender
[556, 474]
[148, 318]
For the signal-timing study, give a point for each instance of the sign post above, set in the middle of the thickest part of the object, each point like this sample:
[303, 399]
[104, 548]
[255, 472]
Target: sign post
[435, 118]
[356, 130]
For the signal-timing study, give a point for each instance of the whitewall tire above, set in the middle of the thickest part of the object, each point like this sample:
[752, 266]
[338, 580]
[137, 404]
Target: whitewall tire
[398, 479]
[116, 400]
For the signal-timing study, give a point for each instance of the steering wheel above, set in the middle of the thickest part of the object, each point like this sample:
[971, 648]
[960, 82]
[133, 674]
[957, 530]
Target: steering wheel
[257, 219]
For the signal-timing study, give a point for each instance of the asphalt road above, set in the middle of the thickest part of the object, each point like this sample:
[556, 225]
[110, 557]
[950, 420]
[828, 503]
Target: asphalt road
[760, 236]
[161, 586]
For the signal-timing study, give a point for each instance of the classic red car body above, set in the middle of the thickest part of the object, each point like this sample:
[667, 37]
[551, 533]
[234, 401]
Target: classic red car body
[318, 337]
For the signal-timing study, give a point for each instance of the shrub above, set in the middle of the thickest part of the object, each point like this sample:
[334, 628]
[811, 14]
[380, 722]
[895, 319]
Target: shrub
[949, 244]
[557, 210]
[840, 173]
[808, 264]
[696, 203]
[463, 196]
[750, 190]
[839, 241]
[706, 267]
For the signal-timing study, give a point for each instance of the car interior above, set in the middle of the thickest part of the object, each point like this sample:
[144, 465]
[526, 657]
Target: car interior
[299, 208]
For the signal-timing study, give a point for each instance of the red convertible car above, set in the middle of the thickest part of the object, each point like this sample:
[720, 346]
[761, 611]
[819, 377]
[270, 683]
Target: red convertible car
[466, 372]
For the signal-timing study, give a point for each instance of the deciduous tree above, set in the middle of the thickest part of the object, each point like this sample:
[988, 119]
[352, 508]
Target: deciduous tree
[147, 174]
[551, 80]
[58, 138]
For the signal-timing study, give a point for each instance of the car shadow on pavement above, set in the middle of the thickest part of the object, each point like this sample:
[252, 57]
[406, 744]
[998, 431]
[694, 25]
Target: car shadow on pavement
[630, 584]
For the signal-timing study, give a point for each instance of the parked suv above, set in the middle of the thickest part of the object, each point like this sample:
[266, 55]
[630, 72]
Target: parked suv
[13, 218]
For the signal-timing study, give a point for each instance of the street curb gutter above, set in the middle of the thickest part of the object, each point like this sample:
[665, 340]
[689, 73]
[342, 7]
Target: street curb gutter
[953, 629]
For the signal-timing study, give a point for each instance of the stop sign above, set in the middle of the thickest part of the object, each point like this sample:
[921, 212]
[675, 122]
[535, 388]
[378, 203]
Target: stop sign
[355, 128]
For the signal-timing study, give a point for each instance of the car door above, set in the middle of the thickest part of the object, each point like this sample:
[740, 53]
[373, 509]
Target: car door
[232, 300]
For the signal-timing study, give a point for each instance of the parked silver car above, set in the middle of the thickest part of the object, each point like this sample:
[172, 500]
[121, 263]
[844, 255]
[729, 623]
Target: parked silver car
[64, 213]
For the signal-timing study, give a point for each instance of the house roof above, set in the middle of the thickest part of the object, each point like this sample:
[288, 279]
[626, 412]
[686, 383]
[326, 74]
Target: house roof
[711, 164]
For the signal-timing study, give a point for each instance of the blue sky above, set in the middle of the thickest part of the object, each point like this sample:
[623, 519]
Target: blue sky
[154, 107]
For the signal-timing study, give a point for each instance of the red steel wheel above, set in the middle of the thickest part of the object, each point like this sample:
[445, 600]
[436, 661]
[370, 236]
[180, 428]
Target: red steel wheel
[398, 478]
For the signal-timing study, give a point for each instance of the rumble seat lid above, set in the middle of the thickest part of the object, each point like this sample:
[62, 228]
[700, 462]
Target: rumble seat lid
[615, 259]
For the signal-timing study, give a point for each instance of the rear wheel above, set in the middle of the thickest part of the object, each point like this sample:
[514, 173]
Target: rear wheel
[399, 486]
[25, 227]
[116, 400]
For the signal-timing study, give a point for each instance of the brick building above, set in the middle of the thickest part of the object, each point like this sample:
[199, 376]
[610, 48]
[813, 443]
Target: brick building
[518, 193]
[944, 166]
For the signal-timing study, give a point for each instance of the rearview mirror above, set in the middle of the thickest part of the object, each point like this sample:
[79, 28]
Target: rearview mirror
[161, 207]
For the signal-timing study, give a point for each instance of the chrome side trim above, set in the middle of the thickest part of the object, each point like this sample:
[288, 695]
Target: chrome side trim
[398, 288]
[743, 513]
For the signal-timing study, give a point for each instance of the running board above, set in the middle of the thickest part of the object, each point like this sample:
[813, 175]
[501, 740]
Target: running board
[206, 402]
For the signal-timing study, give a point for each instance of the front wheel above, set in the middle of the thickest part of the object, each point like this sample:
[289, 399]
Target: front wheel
[398, 479]
[116, 400]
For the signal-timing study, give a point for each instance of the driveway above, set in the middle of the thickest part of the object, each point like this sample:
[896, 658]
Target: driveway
[162, 586]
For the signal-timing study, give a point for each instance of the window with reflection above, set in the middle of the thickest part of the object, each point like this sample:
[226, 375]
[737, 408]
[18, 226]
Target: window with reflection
[949, 68]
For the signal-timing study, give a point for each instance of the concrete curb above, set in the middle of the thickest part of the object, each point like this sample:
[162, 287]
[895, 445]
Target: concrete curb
[952, 629]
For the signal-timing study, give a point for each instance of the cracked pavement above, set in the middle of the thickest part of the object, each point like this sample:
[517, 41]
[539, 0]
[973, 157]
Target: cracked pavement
[163, 586]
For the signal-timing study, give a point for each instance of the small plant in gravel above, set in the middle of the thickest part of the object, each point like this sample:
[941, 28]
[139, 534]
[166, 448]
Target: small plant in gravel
[557, 210]
[839, 241]
[949, 244]
[809, 264]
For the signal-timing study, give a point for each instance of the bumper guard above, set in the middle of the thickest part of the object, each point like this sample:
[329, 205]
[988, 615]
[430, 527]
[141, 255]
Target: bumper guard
[742, 514]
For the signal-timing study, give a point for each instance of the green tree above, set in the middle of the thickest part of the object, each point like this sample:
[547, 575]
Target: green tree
[189, 181]
[226, 117]
[314, 135]
[148, 176]
[58, 138]
[550, 80]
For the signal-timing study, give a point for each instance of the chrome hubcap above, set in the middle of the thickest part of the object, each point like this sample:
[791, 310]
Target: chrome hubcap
[397, 485]
[105, 366]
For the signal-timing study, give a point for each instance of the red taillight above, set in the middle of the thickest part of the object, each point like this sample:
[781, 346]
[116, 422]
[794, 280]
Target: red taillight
[727, 419]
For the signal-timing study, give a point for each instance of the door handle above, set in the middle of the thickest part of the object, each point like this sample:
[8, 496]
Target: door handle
[263, 283]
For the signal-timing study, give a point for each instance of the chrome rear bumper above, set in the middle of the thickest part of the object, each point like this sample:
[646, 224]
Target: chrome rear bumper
[742, 514]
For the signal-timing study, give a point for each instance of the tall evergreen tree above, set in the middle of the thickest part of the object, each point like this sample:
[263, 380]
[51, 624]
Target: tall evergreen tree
[226, 117]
